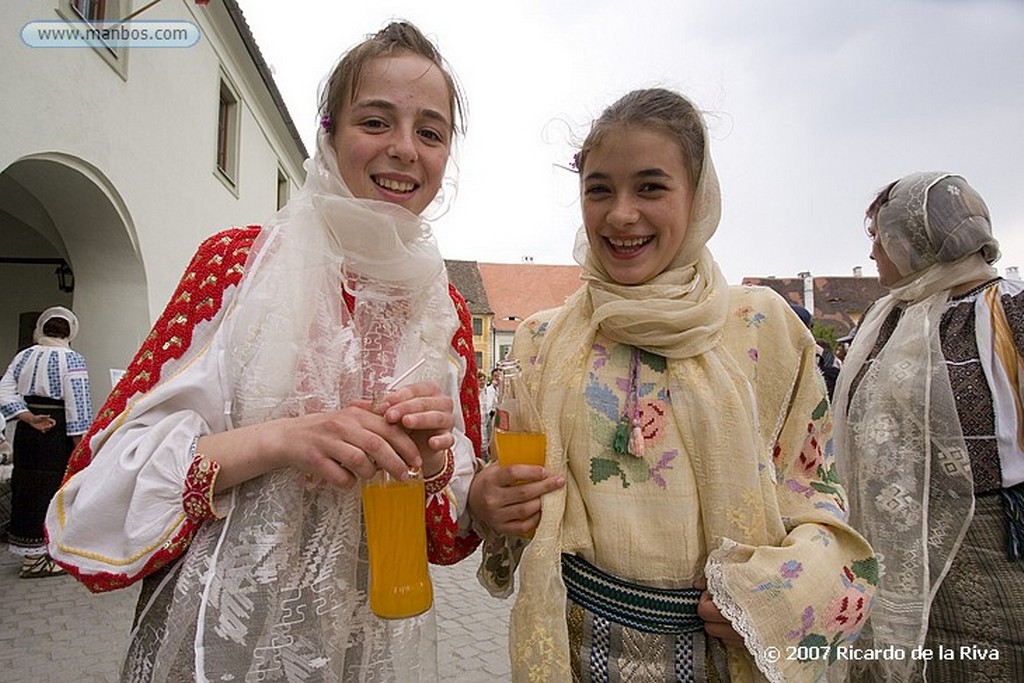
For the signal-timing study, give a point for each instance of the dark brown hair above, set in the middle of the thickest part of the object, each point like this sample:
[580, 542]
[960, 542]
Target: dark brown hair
[58, 328]
[880, 200]
[655, 108]
[343, 83]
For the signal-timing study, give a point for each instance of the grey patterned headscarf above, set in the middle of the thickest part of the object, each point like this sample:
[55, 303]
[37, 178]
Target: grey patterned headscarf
[934, 217]
[900, 447]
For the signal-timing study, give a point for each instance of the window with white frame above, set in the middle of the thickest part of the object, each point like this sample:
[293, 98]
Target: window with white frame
[227, 133]
[100, 11]
[282, 189]
[90, 10]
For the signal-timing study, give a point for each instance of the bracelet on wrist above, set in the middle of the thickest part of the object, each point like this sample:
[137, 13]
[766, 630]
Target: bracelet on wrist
[199, 483]
[437, 482]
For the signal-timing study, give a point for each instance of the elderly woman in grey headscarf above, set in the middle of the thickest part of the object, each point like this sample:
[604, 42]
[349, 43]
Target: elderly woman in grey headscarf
[45, 388]
[930, 434]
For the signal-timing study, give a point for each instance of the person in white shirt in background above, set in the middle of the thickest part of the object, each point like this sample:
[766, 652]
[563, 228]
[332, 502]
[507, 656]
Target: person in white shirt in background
[46, 387]
[488, 404]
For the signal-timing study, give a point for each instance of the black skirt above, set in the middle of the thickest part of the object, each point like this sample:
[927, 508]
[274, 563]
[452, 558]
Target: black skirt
[40, 459]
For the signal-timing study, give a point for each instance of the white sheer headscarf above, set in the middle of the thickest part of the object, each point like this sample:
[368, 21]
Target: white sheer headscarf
[900, 447]
[49, 314]
[277, 590]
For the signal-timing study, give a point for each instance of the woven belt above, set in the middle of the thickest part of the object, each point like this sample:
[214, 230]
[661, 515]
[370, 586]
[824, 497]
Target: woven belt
[43, 403]
[653, 610]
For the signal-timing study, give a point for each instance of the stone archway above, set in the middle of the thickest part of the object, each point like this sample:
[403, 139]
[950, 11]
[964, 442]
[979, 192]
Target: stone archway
[60, 206]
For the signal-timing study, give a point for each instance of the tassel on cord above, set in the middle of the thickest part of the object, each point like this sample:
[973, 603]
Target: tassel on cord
[621, 438]
[636, 441]
[629, 437]
[1013, 504]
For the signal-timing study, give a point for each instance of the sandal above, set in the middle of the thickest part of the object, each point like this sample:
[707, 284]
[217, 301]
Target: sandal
[40, 566]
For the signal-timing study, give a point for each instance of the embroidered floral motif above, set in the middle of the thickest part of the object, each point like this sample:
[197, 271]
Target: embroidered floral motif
[602, 399]
[664, 463]
[632, 470]
[538, 651]
[845, 615]
[810, 457]
[823, 537]
[652, 418]
[605, 402]
[813, 471]
[806, 623]
[752, 354]
[789, 571]
[536, 328]
[750, 316]
[744, 518]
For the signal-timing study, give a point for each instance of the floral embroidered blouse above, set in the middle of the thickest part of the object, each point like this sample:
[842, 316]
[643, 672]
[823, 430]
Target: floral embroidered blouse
[642, 518]
[657, 486]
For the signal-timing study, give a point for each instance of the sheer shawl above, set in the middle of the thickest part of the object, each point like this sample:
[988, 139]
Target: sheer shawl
[276, 590]
[900, 447]
[679, 314]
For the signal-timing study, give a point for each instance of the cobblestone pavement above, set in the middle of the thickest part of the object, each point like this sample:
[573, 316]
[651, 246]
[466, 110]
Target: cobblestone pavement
[54, 631]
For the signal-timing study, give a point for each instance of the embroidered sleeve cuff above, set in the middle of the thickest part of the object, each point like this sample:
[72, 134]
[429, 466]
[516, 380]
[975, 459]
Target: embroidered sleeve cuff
[437, 483]
[13, 409]
[199, 481]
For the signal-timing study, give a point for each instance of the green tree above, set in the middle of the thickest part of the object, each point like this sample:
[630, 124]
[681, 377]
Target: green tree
[826, 333]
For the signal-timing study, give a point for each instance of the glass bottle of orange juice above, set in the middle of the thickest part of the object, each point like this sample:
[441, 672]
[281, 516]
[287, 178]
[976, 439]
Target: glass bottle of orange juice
[518, 430]
[396, 537]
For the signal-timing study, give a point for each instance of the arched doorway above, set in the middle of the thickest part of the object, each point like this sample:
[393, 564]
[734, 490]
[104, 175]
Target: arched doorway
[54, 206]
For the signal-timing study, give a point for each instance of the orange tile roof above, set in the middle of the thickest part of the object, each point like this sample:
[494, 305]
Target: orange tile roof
[518, 290]
[839, 301]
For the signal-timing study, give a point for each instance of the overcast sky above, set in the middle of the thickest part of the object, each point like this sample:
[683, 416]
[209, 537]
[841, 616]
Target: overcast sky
[813, 105]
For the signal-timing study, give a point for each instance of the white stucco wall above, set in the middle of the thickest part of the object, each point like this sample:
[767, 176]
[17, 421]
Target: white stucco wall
[147, 144]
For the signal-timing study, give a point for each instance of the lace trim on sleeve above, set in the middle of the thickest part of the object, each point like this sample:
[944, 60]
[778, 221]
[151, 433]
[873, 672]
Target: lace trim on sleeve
[714, 572]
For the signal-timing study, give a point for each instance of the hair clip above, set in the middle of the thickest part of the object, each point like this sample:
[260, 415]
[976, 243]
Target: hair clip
[325, 122]
[575, 163]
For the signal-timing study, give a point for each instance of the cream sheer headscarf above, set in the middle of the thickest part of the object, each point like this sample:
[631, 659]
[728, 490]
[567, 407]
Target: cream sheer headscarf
[277, 590]
[679, 314]
[900, 447]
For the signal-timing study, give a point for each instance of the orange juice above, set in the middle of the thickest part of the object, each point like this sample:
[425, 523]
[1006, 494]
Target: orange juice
[520, 448]
[396, 534]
